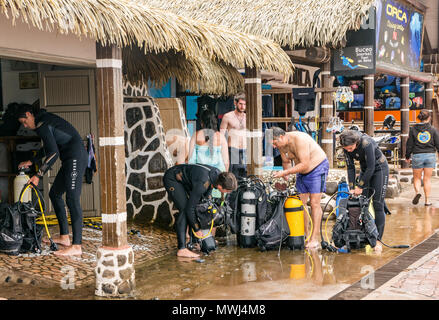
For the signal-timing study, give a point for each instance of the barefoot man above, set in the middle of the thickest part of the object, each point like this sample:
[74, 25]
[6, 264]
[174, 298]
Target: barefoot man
[234, 124]
[311, 166]
[60, 140]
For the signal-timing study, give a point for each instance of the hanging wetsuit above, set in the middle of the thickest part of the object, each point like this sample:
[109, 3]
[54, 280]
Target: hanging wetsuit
[374, 174]
[186, 185]
[60, 139]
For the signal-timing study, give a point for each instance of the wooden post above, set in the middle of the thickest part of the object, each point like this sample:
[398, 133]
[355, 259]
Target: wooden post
[429, 96]
[327, 106]
[115, 254]
[369, 104]
[253, 94]
[405, 119]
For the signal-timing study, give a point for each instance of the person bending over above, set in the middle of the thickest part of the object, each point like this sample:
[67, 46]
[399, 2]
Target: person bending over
[186, 185]
[374, 173]
[311, 166]
[60, 140]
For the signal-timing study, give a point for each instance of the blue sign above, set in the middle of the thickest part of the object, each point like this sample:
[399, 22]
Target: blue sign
[399, 30]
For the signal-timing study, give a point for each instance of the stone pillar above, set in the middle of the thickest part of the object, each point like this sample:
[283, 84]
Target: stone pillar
[369, 105]
[327, 106]
[115, 260]
[405, 119]
[253, 95]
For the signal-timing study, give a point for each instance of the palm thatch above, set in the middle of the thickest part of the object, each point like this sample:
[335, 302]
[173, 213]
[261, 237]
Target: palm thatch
[198, 76]
[287, 22]
[125, 23]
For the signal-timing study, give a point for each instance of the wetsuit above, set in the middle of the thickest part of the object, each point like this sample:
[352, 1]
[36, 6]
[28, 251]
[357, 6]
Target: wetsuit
[60, 139]
[186, 185]
[374, 174]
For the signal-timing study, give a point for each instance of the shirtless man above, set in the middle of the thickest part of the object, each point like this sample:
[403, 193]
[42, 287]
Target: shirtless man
[234, 123]
[311, 166]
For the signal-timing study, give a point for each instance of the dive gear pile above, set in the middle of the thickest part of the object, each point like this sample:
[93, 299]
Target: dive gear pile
[19, 232]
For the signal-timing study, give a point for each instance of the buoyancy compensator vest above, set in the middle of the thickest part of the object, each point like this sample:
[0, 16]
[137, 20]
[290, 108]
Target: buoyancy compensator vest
[209, 214]
[354, 226]
[275, 231]
[249, 208]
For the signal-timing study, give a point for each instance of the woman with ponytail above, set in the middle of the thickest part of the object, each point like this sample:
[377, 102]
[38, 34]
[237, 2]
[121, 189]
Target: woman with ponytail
[208, 145]
[422, 145]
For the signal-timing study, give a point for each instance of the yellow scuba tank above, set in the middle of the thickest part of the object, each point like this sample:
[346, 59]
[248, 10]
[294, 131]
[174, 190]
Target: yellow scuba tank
[293, 209]
[19, 182]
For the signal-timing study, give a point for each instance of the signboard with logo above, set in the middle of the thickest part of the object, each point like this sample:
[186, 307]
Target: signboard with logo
[357, 58]
[399, 34]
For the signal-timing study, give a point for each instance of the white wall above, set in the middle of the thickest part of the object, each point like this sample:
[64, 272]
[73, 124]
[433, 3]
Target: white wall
[432, 21]
[24, 42]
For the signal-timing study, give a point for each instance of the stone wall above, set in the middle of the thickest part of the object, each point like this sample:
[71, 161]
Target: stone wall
[146, 159]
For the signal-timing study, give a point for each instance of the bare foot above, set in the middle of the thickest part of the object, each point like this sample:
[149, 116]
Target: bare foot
[62, 240]
[187, 253]
[378, 248]
[74, 250]
[313, 245]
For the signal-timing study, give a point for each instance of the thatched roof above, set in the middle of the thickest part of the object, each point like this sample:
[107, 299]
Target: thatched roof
[128, 23]
[201, 76]
[287, 22]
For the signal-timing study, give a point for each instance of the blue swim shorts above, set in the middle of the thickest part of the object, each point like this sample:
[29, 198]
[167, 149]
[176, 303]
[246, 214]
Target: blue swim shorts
[314, 181]
[423, 160]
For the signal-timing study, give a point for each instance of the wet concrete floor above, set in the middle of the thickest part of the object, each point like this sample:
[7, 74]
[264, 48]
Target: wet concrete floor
[235, 273]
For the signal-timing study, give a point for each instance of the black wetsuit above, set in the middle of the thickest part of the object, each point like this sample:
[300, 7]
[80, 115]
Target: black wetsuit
[186, 185]
[60, 139]
[374, 174]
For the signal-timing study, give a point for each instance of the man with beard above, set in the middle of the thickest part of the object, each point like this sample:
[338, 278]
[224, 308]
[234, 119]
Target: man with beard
[234, 124]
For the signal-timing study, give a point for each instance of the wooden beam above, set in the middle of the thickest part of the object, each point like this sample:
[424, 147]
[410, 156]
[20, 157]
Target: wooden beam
[369, 103]
[326, 112]
[405, 118]
[387, 68]
[115, 259]
[429, 96]
[253, 95]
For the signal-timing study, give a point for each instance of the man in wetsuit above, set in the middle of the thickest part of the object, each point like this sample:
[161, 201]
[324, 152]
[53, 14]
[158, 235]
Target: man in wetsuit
[60, 139]
[374, 173]
[311, 166]
[186, 185]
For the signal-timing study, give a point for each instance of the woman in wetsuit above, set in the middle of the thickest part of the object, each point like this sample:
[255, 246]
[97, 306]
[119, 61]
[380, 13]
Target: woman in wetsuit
[60, 140]
[186, 185]
[374, 173]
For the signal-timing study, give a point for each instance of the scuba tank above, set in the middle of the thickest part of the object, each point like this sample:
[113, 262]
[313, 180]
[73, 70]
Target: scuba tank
[293, 209]
[247, 237]
[19, 182]
[343, 193]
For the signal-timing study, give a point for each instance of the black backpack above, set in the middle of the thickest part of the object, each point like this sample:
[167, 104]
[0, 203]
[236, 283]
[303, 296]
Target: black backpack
[354, 226]
[271, 234]
[19, 232]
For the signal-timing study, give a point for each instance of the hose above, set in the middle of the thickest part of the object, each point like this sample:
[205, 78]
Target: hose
[204, 237]
[310, 219]
[400, 246]
[53, 245]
